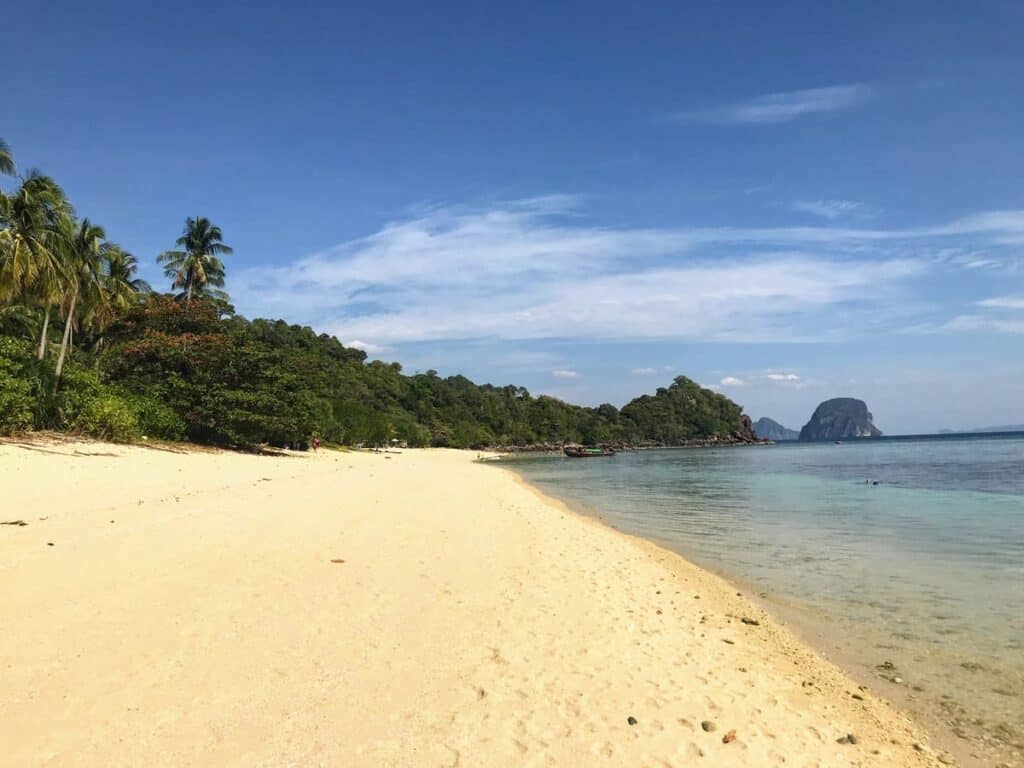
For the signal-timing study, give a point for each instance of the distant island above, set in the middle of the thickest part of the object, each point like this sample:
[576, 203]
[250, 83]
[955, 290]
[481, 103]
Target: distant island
[769, 429]
[982, 430]
[841, 418]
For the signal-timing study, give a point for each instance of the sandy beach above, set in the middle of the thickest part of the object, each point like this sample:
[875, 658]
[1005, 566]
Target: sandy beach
[163, 607]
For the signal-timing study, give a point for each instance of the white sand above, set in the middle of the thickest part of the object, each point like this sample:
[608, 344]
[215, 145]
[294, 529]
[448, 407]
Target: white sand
[188, 613]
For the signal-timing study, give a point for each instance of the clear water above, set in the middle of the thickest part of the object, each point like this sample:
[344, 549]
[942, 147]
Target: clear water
[924, 570]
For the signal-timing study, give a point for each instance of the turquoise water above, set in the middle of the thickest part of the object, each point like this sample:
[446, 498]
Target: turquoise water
[924, 570]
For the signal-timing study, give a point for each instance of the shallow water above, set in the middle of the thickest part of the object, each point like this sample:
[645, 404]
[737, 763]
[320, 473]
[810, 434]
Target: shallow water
[924, 570]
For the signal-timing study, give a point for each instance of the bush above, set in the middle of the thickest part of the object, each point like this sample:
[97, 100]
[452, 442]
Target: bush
[109, 417]
[79, 387]
[154, 418]
[16, 393]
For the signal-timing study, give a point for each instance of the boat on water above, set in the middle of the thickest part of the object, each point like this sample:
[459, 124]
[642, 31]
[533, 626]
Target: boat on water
[584, 451]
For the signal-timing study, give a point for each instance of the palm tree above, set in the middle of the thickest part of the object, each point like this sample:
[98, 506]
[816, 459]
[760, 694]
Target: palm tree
[118, 289]
[6, 159]
[83, 248]
[30, 264]
[196, 268]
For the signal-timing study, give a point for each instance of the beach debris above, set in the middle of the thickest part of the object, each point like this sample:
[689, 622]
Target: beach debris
[659, 611]
[727, 640]
[857, 696]
[18, 523]
[49, 543]
[708, 726]
[730, 736]
[631, 720]
[751, 622]
[337, 560]
[888, 666]
[848, 739]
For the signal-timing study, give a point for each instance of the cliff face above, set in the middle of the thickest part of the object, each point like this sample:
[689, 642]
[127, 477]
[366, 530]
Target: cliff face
[842, 418]
[769, 429]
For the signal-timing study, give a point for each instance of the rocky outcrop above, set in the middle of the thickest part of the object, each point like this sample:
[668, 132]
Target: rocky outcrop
[842, 418]
[769, 429]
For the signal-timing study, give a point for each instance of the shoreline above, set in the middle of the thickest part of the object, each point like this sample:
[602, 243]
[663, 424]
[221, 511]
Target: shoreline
[809, 625]
[349, 608]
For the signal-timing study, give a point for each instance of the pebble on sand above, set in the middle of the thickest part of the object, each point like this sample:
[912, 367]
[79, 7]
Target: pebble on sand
[730, 736]
[847, 739]
[708, 726]
[631, 720]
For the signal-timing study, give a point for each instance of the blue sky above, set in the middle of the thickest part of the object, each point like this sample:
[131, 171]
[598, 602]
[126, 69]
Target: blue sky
[587, 199]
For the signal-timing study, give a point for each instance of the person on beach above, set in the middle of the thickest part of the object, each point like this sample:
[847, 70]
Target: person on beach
[316, 443]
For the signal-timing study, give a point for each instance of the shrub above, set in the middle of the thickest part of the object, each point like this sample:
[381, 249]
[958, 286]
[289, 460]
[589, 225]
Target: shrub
[109, 417]
[155, 419]
[16, 393]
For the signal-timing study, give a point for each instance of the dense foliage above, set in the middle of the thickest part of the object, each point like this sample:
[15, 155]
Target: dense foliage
[131, 363]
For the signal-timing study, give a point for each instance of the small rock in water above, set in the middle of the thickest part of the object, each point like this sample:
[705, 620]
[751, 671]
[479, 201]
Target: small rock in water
[708, 726]
[631, 720]
[730, 736]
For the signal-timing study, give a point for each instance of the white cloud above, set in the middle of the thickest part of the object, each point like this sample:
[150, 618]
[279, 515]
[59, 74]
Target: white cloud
[527, 270]
[782, 376]
[1003, 302]
[370, 349]
[642, 371]
[732, 381]
[828, 209]
[984, 323]
[780, 107]
[562, 373]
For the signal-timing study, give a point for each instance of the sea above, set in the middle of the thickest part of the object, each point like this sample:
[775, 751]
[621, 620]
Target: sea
[901, 559]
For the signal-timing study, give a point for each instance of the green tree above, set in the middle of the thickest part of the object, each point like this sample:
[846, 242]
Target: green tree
[31, 270]
[196, 269]
[83, 249]
[6, 159]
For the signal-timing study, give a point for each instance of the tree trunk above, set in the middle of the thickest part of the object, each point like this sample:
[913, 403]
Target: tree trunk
[41, 353]
[66, 340]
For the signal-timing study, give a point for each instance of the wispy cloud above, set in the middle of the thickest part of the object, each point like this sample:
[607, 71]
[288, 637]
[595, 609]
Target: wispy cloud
[563, 373]
[771, 108]
[732, 381]
[1003, 302]
[828, 209]
[534, 269]
[982, 323]
[642, 371]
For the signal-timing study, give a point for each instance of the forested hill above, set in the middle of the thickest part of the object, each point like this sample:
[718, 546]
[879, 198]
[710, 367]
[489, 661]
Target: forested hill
[86, 346]
[172, 368]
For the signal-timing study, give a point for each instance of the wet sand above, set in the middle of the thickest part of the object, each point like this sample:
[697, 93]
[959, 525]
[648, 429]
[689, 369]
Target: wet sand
[362, 609]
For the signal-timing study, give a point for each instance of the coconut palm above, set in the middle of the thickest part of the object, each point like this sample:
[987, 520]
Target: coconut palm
[6, 159]
[83, 250]
[195, 269]
[119, 288]
[30, 263]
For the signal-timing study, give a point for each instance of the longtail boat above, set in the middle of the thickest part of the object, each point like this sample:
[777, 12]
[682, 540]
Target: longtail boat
[585, 452]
